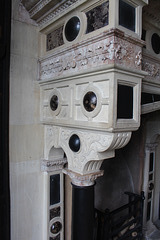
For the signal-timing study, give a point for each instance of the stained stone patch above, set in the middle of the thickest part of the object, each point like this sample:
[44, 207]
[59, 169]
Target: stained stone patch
[55, 212]
[55, 39]
[98, 17]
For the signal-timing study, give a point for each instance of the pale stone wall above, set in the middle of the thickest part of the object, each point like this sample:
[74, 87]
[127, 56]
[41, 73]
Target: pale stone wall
[26, 134]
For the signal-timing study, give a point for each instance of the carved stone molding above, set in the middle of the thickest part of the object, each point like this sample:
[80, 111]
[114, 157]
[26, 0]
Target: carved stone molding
[100, 51]
[152, 67]
[46, 10]
[151, 12]
[83, 180]
[151, 147]
[153, 70]
[94, 147]
[52, 165]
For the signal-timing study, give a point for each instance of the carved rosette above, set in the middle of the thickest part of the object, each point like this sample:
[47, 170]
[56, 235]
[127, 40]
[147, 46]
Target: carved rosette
[94, 147]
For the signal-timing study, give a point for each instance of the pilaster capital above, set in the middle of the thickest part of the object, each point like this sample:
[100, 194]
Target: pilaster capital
[151, 147]
[83, 180]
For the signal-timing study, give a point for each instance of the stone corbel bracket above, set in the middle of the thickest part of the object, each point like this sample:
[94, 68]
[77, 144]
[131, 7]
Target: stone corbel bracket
[94, 147]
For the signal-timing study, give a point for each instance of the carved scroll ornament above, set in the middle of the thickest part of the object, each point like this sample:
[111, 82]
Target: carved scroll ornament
[94, 147]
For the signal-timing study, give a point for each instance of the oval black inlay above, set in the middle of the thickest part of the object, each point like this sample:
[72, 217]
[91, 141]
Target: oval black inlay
[72, 28]
[56, 227]
[54, 102]
[151, 186]
[74, 143]
[90, 101]
[155, 40]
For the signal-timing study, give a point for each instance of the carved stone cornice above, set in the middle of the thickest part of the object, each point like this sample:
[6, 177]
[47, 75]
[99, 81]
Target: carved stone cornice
[152, 12]
[46, 10]
[107, 48]
[94, 147]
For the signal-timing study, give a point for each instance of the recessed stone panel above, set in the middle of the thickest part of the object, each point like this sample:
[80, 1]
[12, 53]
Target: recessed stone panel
[54, 39]
[98, 17]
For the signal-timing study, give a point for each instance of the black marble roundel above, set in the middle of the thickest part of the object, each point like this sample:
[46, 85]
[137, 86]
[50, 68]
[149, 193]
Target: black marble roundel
[90, 101]
[56, 227]
[155, 40]
[72, 28]
[54, 102]
[74, 143]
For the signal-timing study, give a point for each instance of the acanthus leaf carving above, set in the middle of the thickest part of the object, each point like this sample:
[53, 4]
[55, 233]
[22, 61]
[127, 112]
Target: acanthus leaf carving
[83, 180]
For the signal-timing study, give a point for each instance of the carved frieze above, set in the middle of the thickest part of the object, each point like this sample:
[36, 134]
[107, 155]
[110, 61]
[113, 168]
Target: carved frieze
[152, 67]
[127, 54]
[77, 59]
[153, 70]
[95, 53]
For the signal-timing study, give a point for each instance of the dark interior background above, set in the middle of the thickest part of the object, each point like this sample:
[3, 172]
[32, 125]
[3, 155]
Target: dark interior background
[5, 26]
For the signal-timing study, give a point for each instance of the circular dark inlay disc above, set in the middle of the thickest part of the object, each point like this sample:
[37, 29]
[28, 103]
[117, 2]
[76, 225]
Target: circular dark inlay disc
[74, 143]
[72, 28]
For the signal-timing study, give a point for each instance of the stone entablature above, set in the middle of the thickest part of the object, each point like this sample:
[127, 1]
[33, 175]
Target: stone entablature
[47, 11]
[111, 47]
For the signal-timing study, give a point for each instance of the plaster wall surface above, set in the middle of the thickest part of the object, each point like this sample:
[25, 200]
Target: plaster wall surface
[26, 133]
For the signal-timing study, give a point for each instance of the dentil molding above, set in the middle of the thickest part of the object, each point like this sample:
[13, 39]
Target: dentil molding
[45, 11]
